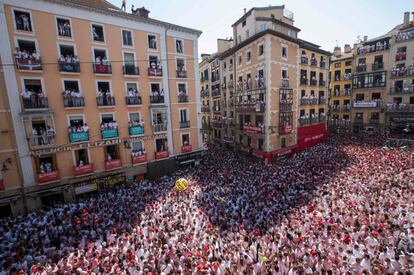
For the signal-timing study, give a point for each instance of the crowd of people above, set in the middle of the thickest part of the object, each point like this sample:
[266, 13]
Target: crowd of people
[379, 46]
[72, 98]
[111, 125]
[402, 36]
[343, 207]
[33, 98]
[45, 167]
[81, 128]
[27, 55]
[64, 29]
[74, 59]
[403, 70]
[247, 84]
[43, 135]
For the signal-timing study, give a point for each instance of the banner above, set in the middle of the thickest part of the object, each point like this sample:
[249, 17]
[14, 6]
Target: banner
[309, 136]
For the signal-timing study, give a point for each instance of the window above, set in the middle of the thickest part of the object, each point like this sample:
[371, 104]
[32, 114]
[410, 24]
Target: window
[152, 42]
[137, 146]
[284, 74]
[76, 122]
[98, 33]
[64, 28]
[249, 56]
[81, 157]
[183, 115]
[66, 51]
[180, 64]
[23, 21]
[240, 60]
[348, 63]
[153, 62]
[284, 52]
[261, 50]
[111, 152]
[134, 117]
[103, 87]
[244, 23]
[71, 86]
[185, 139]
[263, 27]
[127, 38]
[100, 56]
[247, 34]
[179, 46]
[161, 144]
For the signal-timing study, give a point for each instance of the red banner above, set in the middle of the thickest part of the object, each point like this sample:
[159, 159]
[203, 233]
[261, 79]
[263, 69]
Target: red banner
[112, 164]
[186, 149]
[251, 129]
[82, 170]
[50, 176]
[139, 159]
[161, 155]
[309, 136]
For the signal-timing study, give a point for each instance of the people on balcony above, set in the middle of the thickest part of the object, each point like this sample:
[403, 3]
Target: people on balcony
[136, 123]
[43, 136]
[137, 153]
[45, 167]
[69, 59]
[84, 128]
[104, 98]
[182, 96]
[72, 98]
[112, 125]
[401, 71]
[64, 29]
[372, 48]
[401, 36]
[132, 93]
[260, 81]
[32, 99]
[25, 55]
[348, 76]
[251, 101]
[155, 64]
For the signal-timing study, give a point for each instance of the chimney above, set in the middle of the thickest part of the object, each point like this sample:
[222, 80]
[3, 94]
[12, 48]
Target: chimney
[337, 51]
[365, 38]
[347, 48]
[142, 12]
[244, 10]
[406, 18]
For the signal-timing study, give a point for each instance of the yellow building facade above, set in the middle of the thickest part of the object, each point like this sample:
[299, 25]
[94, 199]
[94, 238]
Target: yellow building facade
[98, 96]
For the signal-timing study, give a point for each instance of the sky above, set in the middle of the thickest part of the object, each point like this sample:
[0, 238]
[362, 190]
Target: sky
[324, 22]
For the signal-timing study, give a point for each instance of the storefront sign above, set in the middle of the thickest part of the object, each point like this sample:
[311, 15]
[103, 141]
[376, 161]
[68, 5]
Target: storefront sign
[85, 187]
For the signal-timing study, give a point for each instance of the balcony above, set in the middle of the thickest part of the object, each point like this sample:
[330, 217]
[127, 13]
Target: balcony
[157, 99]
[314, 120]
[250, 107]
[363, 85]
[102, 69]
[402, 90]
[358, 120]
[109, 133]
[404, 36]
[205, 93]
[157, 128]
[336, 108]
[70, 101]
[314, 62]
[401, 56]
[400, 108]
[78, 137]
[83, 170]
[377, 66]
[44, 140]
[304, 60]
[113, 164]
[181, 73]
[347, 92]
[184, 124]
[216, 92]
[130, 70]
[368, 104]
[322, 83]
[157, 72]
[322, 64]
[48, 176]
[373, 48]
[402, 72]
[205, 109]
[182, 98]
[253, 130]
[139, 159]
[348, 76]
[136, 130]
[322, 118]
[69, 67]
[323, 100]
[285, 130]
[161, 155]
[308, 101]
[285, 83]
[313, 82]
[304, 121]
[373, 121]
[35, 102]
[303, 81]
[29, 65]
[361, 68]
[346, 108]
[105, 101]
[186, 148]
[133, 100]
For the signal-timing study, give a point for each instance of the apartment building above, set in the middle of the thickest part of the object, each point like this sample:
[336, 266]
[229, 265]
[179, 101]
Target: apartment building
[400, 103]
[340, 87]
[258, 108]
[369, 81]
[97, 98]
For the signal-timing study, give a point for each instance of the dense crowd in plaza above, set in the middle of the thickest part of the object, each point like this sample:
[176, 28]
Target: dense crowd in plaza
[344, 207]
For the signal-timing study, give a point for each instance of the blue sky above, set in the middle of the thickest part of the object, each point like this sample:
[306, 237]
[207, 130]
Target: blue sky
[323, 22]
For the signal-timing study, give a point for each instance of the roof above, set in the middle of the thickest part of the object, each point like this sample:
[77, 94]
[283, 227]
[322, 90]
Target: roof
[104, 7]
[241, 19]
[343, 56]
[253, 38]
[312, 47]
[274, 20]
